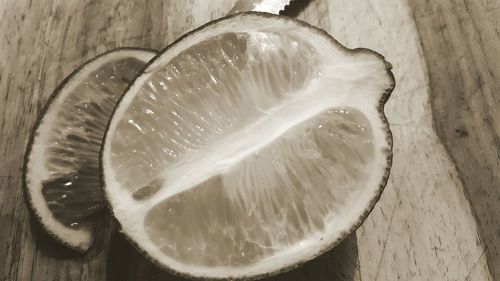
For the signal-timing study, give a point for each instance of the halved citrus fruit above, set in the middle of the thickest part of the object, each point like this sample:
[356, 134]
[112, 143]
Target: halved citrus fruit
[62, 161]
[248, 146]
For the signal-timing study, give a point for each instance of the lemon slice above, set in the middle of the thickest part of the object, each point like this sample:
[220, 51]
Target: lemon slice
[247, 147]
[62, 161]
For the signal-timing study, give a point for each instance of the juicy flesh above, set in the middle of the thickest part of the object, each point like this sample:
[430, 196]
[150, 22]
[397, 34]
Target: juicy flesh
[235, 160]
[271, 199]
[72, 190]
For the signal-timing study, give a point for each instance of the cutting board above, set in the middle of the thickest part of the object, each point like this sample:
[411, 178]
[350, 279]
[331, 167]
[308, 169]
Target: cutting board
[438, 218]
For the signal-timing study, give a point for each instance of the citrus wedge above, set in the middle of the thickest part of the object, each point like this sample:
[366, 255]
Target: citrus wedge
[247, 147]
[62, 161]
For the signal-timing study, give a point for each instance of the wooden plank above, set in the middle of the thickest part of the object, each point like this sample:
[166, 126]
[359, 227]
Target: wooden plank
[461, 44]
[423, 228]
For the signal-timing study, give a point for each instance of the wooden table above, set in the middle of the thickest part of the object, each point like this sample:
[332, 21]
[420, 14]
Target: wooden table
[439, 217]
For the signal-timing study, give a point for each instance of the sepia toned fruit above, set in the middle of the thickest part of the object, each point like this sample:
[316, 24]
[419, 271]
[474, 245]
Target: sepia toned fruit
[247, 147]
[62, 160]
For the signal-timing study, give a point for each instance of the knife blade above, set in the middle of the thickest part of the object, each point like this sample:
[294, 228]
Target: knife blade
[269, 6]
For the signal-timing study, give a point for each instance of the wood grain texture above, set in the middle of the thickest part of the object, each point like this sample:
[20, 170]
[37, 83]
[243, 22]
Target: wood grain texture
[462, 50]
[423, 228]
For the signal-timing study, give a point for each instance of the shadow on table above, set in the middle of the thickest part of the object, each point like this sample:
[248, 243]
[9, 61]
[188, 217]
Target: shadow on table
[339, 264]
[49, 246]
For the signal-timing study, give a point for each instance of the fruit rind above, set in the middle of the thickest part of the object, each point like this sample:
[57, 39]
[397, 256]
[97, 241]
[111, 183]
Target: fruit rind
[84, 241]
[379, 108]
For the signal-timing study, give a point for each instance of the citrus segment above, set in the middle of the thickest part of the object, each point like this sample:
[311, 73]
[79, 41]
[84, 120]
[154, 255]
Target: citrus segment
[62, 170]
[72, 190]
[248, 146]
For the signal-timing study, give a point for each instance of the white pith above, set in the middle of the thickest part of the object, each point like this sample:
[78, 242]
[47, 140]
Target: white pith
[337, 63]
[36, 171]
